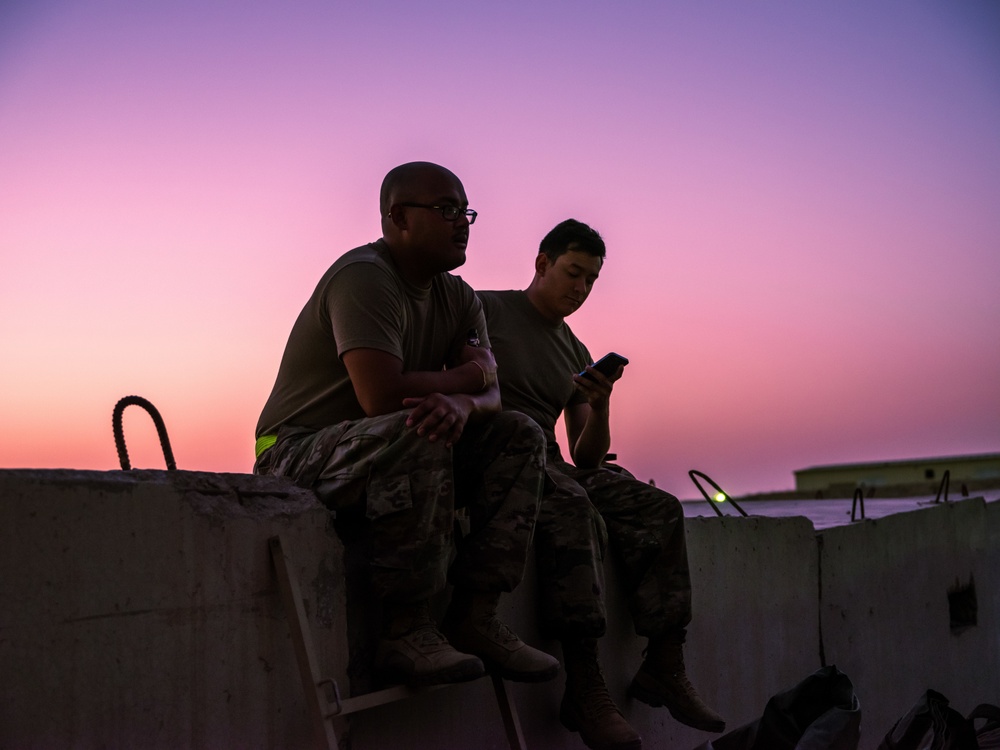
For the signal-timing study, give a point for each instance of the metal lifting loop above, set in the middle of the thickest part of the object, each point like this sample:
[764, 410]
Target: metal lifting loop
[859, 499]
[943, 487]
[719, 492]
[161, 430]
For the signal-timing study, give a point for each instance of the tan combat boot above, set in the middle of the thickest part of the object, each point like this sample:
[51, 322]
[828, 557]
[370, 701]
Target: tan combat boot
[413, 651]
[662, 681]
[472, 625]
[587, 707]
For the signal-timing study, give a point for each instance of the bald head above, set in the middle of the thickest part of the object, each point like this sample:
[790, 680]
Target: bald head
[409, 181]
[420, 239]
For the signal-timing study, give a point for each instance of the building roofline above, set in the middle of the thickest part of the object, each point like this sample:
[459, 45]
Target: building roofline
[903, 462]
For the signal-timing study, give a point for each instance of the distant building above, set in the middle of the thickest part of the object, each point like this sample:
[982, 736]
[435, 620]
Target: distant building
[916, 476]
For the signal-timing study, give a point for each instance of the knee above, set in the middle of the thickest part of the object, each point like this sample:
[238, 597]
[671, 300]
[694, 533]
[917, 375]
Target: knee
[520, 427]
[671, 508]
[568, 514]
[409, 452]
[654, 502]
[564, 503]
[423, 453]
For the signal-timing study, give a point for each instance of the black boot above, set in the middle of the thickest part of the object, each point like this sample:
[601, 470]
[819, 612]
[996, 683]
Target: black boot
[662, 681]
[413, 651]
[587, 706]
[472, 625]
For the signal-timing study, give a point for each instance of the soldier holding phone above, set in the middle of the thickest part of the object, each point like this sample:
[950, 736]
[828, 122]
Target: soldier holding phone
[544, 371]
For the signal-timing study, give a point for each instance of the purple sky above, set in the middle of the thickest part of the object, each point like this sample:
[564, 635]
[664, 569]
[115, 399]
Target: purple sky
[800, 202]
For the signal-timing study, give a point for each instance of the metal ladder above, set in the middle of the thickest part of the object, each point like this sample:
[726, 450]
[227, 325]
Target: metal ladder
[317, 689]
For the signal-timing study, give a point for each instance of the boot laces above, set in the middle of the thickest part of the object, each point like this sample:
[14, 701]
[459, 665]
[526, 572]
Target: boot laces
[685, 684]
[498, 631]
[428, 636]
[593, 691]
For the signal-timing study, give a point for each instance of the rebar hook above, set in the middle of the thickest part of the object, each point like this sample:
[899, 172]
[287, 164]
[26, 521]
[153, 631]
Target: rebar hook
[943, 487]
[161, 430]
[859, 499]
[694, 478]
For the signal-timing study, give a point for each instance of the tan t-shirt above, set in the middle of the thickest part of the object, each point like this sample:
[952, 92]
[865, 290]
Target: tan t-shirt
[536, 360]
[363, 302]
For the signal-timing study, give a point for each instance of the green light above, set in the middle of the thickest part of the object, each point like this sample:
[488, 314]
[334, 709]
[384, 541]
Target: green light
[720, 497]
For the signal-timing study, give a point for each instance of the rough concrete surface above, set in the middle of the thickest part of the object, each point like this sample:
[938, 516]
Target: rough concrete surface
[141, 610]
[885, 608]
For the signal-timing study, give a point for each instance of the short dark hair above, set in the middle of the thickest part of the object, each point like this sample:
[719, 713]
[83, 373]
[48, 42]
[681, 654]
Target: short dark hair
[572, 235]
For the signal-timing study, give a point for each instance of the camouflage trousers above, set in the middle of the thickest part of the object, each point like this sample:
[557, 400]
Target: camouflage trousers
[582, 511]
[405, 490]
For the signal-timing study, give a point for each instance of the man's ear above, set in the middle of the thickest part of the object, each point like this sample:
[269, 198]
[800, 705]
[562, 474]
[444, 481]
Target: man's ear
[396, 217]
[542, 264]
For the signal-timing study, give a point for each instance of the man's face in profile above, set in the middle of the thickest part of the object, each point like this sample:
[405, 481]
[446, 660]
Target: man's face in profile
[441, 243]
[568, 281]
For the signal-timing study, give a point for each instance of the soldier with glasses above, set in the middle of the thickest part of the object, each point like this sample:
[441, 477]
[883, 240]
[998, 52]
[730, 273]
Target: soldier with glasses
[388, 407]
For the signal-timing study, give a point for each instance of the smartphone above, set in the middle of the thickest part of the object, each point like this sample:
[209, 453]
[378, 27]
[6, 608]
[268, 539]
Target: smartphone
[607, 365]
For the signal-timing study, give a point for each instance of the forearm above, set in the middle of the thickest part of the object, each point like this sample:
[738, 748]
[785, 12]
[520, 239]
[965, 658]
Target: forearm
[484, 403]
[594, 441]
[469, 379]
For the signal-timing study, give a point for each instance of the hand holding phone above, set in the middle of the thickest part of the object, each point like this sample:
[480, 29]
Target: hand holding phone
[606, 365]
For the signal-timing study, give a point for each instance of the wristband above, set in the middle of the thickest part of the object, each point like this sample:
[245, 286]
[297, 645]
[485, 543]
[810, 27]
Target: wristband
[486, 380]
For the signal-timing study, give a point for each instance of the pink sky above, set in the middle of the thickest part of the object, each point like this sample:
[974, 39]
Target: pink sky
[800, 203]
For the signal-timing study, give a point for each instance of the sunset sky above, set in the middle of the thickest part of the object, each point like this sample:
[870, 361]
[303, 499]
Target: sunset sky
[801, 202]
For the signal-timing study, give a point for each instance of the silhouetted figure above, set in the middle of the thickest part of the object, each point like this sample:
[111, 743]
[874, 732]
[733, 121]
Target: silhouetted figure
[383, 406]
[588, 500]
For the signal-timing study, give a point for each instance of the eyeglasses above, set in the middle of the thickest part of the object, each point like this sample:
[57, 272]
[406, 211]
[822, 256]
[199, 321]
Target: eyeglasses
[448, 213]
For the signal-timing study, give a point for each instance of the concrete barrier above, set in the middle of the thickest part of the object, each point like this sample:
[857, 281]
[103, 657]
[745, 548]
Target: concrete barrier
[755, 630]
[140, 610]
[910, 602]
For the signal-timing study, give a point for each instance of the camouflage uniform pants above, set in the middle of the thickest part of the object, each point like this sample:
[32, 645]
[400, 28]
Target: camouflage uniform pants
[406, 488]
[582, 510]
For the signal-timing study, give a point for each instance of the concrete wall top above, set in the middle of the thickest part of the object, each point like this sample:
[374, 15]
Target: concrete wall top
[282, 495]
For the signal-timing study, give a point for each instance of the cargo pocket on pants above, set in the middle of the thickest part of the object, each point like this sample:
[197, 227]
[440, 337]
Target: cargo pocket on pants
[388, 494]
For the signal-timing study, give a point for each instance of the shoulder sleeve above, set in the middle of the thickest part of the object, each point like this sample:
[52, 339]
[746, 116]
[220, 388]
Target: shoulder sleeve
[466, 303]
[365, 307]
[478, 315]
